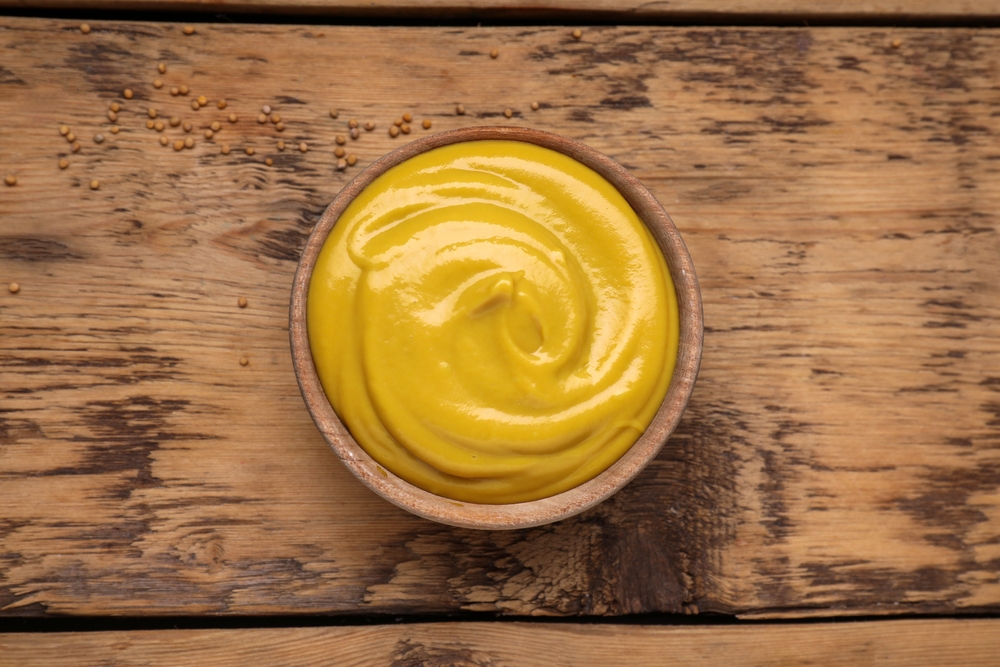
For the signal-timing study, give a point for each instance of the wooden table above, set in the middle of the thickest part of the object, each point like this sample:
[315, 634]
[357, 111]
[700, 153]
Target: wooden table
[838, 188]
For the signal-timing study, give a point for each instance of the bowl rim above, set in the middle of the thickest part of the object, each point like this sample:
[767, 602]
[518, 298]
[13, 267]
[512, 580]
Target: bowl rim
[545, 510]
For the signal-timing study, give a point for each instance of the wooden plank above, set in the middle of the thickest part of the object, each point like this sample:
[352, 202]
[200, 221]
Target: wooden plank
[884, 644]
[569, 10]
[839, 197]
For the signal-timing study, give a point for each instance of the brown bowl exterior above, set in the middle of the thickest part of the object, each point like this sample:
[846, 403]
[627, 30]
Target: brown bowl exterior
[545, 510]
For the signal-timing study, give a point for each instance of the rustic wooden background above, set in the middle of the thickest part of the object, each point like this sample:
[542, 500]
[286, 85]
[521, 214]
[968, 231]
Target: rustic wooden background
[839, 192]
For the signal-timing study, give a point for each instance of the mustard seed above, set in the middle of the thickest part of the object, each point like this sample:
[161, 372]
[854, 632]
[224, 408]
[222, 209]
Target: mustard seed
[70, 137]
[202, 100]
[426, 124]
[63, 163]
[352, 123]
[355, 133]
[64, 130]
[127, 93]
[394, 131]
[112, 116]
[10, 179]
[352, 159]
[232, 118]
[268, 161]
[275, 118]
[266, 109]
[249, 150]
[179, 145]
[896, 43]
[75, 147]
[281, 145]
[534, 106]
[188, 30]
[157, 83]
[407, 117]
[262, 118]
[397, 122]
[189, 142]
[216, 126]
[151, 113]
[161, 68]
[339, 151]
[163, 140]
[341, 164]
[183, 90]
[369, 126]
[577, 34]
[95, 184]
[221, 104]
[494, 53]
[460, 109]
[244, 361]
[13, 288]
[303, 147]
[98, 138]
[116, 107]
[85, 28]
[404, 128]
[225, 149]
[159, 125]
[175, 91]
[194, 105]
[334, 113]
[209, 134]
[280, 127]
[507, 113]
[188, 126]
[174, 121]
[114, 129]
[242, 302]
[150, 124]
[341, 140]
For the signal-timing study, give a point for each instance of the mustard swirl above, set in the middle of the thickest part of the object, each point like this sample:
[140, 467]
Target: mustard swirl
[492, 322]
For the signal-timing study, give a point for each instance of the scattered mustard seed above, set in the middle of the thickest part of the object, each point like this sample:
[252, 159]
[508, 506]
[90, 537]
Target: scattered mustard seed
[202, 100]
[262, 118]
[276, 118]
[268, 161]
[494, 53]
[75, 147]
[369, 126]
[427, 123]
[174, 121]
[13, 288]
[534, 106]
[127, 93]
[216, 126]
[152, 113]
[397, 122]
[150, 124]
[163, 140]
[404, 128]
[10, 179]
[339, 151]
[70, 137]
[341, 164]
[209, 134]
[244, 361]
[114, 129]
[159, 126]
[303, 147]
[249, 150]
[341, 140]
[157, 83]
[242, 302]
[188, 30]
[281, 145]
[179, 145]
[85, 28]
[507, 113]
[195, 105]
[355, 133]
[183, 90]
[352, 123]
[352, 159]
[407, 117]
[175, 91]
[460, 109]
[64, 130]
[232, 118]
[116, 107]
[112, 116]
[189, 142]
[162, 68]
[221, 104]
[577, 34]
[95, 184]
[393, 131]
[63, 163]
[266, 109]
[98, 138]
[334, 113]
[280, 127]
[896, 43]
[225, 149]
[188, 126]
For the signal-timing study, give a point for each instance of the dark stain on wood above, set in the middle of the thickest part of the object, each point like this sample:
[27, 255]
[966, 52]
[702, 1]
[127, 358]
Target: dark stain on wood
[411, 653]
[33, 249]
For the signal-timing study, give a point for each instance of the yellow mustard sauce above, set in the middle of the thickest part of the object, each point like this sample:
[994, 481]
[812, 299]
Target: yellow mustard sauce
[493, 322]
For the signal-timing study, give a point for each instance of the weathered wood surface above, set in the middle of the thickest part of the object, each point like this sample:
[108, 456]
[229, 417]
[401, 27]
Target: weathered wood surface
[841, 453]
[571, 10]
[933, 643]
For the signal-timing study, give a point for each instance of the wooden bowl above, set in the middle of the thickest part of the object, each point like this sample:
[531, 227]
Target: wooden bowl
[545, 510]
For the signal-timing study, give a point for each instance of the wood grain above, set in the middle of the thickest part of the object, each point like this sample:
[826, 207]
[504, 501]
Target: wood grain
[567, 10]
[969, 643]
[839, 196]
